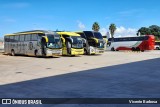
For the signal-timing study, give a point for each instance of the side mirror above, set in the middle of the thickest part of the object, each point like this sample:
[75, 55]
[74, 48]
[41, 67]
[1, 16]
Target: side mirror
[44, 38]
[63, 40]
[69, 39]
[84, 40]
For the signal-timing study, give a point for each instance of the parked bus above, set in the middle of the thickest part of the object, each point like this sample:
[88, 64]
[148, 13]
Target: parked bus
[140, 43]
[157, 45]
[33, 43]
[72, 43]
[94, 42]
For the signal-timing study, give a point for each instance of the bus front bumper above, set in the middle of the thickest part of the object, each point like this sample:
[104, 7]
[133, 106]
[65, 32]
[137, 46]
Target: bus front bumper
[98, 51]
[54, 52]
[77, 51]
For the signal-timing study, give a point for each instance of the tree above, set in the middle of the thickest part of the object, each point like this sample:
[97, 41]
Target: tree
[154, 28]
[95, 26]
[151, 30]
[144, 31]
[112, 29]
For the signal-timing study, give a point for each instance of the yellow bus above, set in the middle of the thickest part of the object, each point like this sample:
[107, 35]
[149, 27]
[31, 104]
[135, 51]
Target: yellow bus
[72, 43]
[94, 43]
[33, 43]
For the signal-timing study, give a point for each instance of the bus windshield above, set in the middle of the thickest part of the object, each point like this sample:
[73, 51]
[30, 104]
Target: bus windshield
[98, 35]
[77, 42]
[54, 41]
[89, 34]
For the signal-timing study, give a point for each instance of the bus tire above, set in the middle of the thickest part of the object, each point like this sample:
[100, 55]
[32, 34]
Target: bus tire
[85, 52]
[157, 48]
[35, 53]
[138, 49]
[133, 49]
[112, 49]
[12, 52]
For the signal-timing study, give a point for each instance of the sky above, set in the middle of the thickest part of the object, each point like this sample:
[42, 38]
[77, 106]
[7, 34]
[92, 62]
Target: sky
[78, 15]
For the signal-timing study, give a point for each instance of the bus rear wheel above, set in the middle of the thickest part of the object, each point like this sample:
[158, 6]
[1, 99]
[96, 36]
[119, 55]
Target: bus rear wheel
[133, 49]
[12, 53]
[137, 49]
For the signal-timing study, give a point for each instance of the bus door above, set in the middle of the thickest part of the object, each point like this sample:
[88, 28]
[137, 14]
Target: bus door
[68, 45]
[43, 46]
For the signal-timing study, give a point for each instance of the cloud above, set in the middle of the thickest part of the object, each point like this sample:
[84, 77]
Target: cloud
[103, 31]
[10, 20]
[122, 31]
[130, 12]
[81, 25]
[16, 5]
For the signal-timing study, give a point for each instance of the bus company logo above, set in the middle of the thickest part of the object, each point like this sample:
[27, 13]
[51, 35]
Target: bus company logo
[6, 101]
[30, 45]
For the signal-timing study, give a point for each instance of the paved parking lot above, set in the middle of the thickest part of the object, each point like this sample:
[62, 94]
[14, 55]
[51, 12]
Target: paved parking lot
[110, 75]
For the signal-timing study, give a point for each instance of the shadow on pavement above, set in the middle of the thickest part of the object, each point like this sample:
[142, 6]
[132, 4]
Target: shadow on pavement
[132, 80]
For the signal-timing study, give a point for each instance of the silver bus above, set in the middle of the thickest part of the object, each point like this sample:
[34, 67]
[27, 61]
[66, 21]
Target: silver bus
[93, 42]
[33, 43]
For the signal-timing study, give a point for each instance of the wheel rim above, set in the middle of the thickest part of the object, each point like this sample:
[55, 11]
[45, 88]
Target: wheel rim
[12, 53]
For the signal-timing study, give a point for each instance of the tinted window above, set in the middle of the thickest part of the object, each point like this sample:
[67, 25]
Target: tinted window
[82, 35]
[88, 34]
[34, 37]
[157, 43]
[12, 39]
[129, 39]
[98, 35]
[17, 38]
[22, 38]
[27, 37]
[6, 38]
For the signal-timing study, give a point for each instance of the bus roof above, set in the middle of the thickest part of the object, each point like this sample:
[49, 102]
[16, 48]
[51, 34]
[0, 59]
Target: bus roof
[68, 33]
[30, 32]
[84, 31]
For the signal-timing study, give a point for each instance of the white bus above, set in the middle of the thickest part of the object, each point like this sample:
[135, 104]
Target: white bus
[140, 43]
[33, 43]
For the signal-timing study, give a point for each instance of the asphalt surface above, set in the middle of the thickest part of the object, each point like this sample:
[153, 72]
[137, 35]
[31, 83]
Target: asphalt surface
[111, 75]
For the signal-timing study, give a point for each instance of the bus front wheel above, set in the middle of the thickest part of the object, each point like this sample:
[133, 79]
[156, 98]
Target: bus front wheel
[157, 48]
[137, 49]
[12, 53]
[85, 52]
[112, 49]
[133, 49]
[35, 53]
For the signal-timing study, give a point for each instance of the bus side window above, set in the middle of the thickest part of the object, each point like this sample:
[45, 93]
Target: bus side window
[28, 37]
[22, 38]
[34, 37]
[82, 35]
[17, 38]
[12, 38]
[6, 38]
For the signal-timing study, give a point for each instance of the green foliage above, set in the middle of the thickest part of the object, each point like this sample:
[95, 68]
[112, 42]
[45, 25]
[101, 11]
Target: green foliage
[95, 26]
[112, 29]
[151, 30]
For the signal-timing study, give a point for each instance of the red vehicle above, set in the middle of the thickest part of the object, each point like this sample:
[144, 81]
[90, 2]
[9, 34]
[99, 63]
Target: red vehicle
[140, 43]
